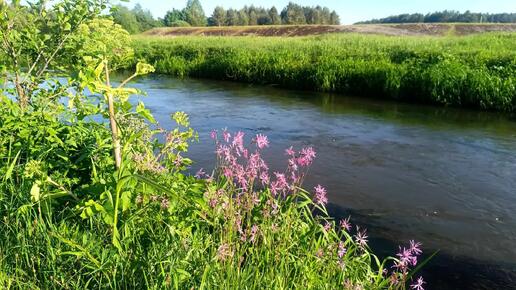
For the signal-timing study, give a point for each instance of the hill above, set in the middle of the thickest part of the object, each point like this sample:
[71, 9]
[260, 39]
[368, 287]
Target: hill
[303, 30]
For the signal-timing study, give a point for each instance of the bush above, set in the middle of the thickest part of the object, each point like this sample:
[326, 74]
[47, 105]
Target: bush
[179, 23]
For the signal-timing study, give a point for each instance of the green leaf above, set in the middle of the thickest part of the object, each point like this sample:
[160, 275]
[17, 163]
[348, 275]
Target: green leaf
[116, 239]
[126, 200]
[143, 69]
[99, 69]
[181, 118]
[35, 192]
[145, 113]
[9, 172]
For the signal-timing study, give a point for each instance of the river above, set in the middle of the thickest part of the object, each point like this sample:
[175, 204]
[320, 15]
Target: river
[445, 177]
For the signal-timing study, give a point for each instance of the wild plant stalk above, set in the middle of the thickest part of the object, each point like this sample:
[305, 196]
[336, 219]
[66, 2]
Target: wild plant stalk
[117, 153]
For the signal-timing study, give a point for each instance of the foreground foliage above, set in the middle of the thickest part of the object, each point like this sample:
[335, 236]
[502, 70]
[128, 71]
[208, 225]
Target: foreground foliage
[475, 71]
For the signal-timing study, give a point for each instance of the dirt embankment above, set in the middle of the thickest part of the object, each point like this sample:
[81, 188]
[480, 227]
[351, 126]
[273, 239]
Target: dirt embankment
[303, 30]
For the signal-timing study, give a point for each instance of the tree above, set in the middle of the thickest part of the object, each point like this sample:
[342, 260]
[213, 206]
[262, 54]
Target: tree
[263, 16]
[243, 18]
[34, 43]
[311, 15]
[325, 16]
[275, 18]
[126, 18]
[334, 18]
[219, 16]
[173, 16]
[293, 14]
[232, 17]
[253, 18]
[144, 18]
[194, 13]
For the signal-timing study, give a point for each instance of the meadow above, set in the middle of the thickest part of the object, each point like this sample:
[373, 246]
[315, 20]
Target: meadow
[475, 71]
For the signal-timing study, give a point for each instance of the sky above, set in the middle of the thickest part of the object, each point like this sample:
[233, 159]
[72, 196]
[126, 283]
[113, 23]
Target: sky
[350, 11]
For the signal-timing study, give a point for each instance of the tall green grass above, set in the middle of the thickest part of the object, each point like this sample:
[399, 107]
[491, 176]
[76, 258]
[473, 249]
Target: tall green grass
[475, 71]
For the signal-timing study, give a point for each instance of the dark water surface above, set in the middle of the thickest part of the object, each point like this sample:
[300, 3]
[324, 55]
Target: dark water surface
[445, 177]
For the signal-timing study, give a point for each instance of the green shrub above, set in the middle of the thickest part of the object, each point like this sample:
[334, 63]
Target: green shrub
[180, 23]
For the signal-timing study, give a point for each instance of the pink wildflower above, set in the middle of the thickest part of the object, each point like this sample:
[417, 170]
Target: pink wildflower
[320, 197]
[213, 134]
[261, 141]
[264, 177]
[243, 237]
[254, 231]
[282, 181]
[415, 248]
[228, 173]
[406, 258]
[361, 238]
[178, 161]
[307, 156]
[255, 199]
[226, 135]
[419, 284]
[212, 202]
[238, 141]
[394, 279]
[345, 224]
[290, 151]
[224, 252]
[341, 250]
[200, 174]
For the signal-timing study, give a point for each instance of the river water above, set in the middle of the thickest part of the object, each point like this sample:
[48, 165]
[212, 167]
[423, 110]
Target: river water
[445, 177]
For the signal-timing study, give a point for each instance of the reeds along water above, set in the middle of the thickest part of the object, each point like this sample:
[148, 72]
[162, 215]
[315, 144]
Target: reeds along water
[474, 71]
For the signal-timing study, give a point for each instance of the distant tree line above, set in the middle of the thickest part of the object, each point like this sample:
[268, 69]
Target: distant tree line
[292, 14]
[446, 16]
[138, 20]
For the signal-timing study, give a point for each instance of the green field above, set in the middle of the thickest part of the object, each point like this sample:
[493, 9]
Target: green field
[477, 71]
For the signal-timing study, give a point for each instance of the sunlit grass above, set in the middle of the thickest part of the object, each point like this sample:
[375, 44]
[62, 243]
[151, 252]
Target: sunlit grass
[473, 71]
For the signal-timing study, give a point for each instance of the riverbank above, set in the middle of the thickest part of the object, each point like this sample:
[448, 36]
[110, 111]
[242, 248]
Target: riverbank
[475, 71]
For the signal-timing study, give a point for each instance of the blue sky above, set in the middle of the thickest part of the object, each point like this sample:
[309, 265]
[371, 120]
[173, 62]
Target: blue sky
[350, 11]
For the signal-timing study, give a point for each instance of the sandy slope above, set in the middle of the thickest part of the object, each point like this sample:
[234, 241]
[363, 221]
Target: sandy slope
[397, 29]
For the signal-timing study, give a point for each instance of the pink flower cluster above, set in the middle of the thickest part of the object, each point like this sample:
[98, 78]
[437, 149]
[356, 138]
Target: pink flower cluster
[245, 167]
[407, 258]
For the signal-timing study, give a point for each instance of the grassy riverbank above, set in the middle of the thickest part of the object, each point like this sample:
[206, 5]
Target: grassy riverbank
[475, 71]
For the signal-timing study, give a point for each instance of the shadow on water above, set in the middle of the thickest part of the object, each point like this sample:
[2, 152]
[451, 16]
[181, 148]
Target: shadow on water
[444, 271]
[403, 113]
[443, 176]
